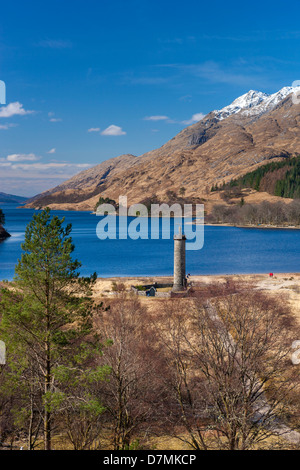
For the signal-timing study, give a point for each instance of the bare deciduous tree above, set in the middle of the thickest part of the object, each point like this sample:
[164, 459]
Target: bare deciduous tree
[129, 392]
[230, 370]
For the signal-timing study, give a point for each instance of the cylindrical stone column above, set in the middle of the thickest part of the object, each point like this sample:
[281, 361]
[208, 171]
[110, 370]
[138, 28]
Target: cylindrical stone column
[179, 262]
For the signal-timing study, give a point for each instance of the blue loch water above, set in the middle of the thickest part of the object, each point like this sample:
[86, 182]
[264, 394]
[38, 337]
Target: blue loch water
[227, 250]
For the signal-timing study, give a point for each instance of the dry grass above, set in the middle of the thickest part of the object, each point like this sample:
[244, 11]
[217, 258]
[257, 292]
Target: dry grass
[287, 283]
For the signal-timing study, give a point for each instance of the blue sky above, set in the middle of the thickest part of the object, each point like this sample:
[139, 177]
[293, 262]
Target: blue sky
[90, 80]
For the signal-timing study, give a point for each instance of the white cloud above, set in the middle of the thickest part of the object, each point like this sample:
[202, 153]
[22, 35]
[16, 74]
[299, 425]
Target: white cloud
[113, 130]
[48, 166]
[156, 118]
[94, 129]
[16, 165]
[52, 169]
[186, 98]
[52, 118]
[4, 127]
[34, 178]
[245, 74]
[195, 118]
[22, 157]
[13, 109]
[55, 44]
[52, 151]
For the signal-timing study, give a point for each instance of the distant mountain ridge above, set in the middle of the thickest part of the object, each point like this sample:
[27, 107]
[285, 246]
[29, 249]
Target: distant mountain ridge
[10, 198]
[224, 145]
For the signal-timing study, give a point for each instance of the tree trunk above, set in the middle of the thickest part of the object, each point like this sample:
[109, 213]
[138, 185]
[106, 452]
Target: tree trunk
[47, 412]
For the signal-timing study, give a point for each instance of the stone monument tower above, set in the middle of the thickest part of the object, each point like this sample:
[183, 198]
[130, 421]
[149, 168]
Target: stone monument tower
[179, 262]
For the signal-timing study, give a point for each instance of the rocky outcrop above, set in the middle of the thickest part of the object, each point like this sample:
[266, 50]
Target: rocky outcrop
[3, 234]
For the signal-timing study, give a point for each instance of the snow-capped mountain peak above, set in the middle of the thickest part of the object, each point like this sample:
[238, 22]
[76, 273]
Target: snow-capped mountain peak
[255, 102]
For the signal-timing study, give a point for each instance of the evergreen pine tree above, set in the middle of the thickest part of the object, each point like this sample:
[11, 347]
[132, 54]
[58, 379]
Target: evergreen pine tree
[49, 307]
